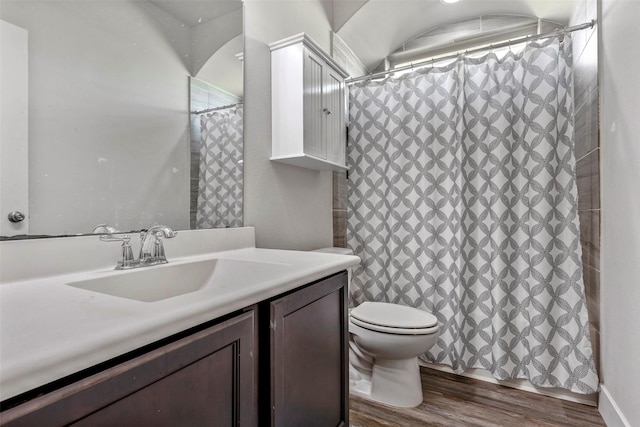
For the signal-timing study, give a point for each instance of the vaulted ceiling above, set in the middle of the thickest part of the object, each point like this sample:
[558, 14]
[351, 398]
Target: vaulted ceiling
[375, 28]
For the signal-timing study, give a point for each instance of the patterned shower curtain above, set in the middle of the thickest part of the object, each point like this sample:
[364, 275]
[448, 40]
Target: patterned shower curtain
[462, 202]
[220, 189]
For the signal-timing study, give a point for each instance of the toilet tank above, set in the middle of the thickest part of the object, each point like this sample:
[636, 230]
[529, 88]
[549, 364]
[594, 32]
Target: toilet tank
[338, 251]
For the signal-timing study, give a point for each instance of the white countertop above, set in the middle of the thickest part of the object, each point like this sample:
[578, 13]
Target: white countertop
[49, 330]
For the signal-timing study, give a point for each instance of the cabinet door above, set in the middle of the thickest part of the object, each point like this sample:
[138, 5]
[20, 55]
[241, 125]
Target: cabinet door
[334, 104]
[309, 384]
[313, 114]
[205, 379]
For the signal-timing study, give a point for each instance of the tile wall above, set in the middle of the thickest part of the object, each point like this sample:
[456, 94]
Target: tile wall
[340, 209]
[587, 150]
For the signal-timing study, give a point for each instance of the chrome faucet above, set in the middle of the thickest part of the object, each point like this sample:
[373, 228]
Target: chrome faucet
[151, 247]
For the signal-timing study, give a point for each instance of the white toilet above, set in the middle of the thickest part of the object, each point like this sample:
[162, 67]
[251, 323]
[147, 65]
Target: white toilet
[385, 341]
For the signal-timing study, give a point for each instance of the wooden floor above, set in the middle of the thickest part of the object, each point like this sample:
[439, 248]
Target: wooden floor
[452, 401]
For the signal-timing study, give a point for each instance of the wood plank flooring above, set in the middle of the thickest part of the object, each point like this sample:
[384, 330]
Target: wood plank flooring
[456, 401]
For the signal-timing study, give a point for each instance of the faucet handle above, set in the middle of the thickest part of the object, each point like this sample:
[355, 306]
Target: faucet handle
[103, 229]
[126, 260]
[158, 251]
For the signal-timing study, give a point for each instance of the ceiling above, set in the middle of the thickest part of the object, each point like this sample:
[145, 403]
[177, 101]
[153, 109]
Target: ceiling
[194, 12]
[206, 34]
[375, 28]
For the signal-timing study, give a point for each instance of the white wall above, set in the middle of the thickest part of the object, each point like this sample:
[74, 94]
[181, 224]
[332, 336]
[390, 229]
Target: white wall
[620, 142]
[289, 206]
[108, 115]
[14, 127]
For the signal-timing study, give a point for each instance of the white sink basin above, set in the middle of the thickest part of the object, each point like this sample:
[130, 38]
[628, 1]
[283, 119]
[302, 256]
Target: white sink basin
[149, 284]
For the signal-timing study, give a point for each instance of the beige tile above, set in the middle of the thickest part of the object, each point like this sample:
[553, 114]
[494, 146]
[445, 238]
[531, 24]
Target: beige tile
[585, 72]
[586, 126]
[595, 344]
[592, 290]
[339, 190]
[588, 180]
[339, 242]
[340, 228]
[581, 38]
[579, 42]
[590, 238]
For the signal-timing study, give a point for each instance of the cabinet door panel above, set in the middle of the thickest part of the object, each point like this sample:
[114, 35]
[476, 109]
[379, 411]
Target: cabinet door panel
[308, 106]
[309, 356]
[206, 378]
[335, 121]
[313, 106]
[201, 394]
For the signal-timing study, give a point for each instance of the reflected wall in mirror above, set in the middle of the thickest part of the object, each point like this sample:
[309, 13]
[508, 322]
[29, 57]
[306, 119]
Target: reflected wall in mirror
[108, 109]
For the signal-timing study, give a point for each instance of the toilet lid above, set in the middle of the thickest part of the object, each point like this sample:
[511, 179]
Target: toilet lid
[389, 316]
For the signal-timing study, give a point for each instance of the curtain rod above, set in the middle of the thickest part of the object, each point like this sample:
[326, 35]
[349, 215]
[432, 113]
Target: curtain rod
[507, 43]
[208, 110]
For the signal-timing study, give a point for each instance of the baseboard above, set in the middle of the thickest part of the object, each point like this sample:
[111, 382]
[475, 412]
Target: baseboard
[484, 375]
[610, 411]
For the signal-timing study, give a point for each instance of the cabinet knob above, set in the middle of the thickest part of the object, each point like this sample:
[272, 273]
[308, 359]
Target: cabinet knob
[15, 216]
[326, 111]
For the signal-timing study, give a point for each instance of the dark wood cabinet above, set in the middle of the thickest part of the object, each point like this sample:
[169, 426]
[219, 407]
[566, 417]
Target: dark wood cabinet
[309, 356]
[204, 379]
[208, 376]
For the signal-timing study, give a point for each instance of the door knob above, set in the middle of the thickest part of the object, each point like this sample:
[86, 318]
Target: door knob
[15, 216]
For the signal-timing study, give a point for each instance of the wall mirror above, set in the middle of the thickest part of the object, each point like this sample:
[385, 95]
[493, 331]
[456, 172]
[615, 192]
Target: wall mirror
[118, 98]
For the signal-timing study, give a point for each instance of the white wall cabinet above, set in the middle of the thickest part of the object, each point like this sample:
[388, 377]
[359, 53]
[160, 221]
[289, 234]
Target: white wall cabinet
[308, 105]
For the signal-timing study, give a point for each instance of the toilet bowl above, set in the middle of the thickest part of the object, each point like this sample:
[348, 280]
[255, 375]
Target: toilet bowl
[385, 341]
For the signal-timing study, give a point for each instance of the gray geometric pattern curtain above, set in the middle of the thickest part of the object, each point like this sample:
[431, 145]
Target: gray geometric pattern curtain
[220, 189]
[462, 202]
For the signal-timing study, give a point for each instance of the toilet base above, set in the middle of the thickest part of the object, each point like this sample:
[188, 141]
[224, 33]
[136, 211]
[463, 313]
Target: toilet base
[392, 382]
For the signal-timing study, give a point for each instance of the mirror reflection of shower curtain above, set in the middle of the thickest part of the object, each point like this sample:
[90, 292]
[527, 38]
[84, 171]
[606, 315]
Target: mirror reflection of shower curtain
[220, 188]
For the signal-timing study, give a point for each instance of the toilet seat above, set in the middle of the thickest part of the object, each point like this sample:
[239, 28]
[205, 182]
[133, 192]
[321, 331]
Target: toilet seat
[394, 319]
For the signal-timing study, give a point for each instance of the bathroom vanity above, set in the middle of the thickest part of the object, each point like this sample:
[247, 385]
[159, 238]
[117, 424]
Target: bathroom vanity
[261, 348]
